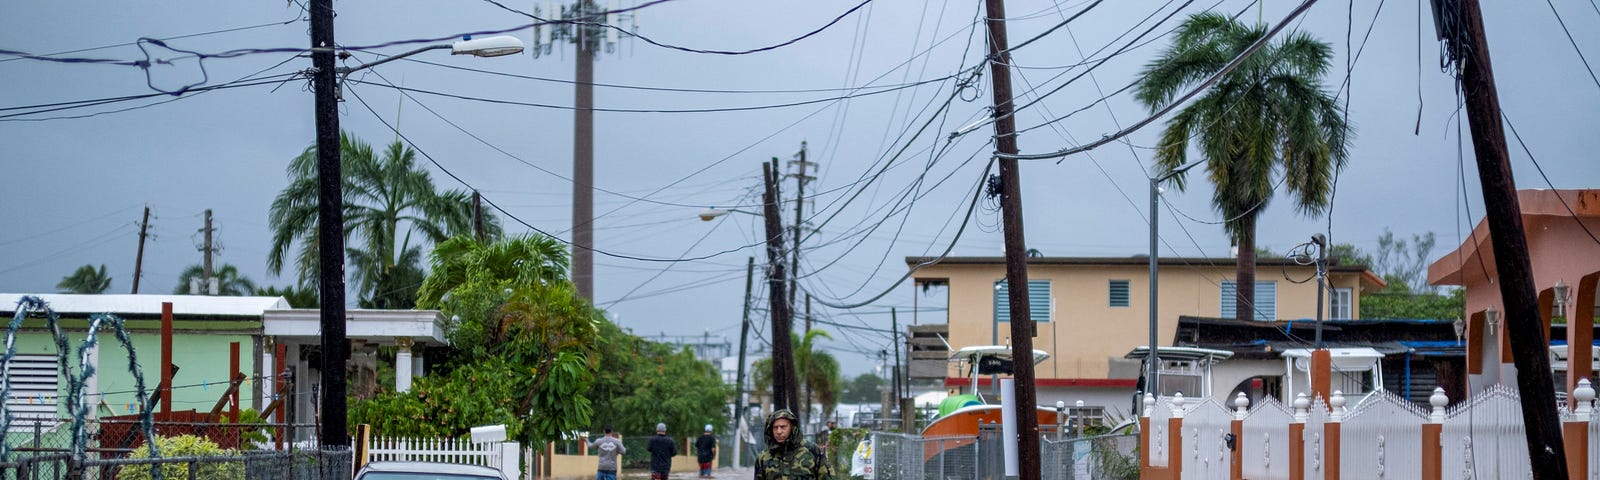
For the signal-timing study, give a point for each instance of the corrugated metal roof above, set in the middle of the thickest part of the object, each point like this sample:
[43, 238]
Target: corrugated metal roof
[150, 304]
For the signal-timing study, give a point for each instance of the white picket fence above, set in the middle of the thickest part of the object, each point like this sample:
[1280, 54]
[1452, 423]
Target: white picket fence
[505, 456]
[1381, 438]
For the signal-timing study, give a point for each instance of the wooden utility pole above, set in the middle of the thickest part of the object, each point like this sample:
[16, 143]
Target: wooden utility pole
[1504, 216]
[330, 229]
[894, 339]
[738, 382]
[784, 386]
[205, 280]
[477, 216]
[138, 260]
[1022, 328]
[800, 179]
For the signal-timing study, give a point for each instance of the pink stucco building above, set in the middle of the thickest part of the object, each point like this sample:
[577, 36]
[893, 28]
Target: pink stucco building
[1563, 232]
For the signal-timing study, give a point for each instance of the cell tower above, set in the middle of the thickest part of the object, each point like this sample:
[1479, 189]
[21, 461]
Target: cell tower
[587, 26]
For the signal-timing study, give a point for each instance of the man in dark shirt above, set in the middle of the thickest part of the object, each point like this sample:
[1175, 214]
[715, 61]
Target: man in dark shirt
[705, 449]
[662, 449]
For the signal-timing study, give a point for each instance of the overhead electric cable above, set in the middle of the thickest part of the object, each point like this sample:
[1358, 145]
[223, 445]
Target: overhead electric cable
[687, 49]
[1179, 101]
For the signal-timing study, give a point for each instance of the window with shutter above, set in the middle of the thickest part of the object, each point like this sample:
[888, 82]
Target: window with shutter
[33, 389]
[1119, 293]
[1038, 301]
[1266, 300]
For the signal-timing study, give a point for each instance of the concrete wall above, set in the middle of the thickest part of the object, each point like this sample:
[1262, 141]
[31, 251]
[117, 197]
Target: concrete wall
[1084, 333]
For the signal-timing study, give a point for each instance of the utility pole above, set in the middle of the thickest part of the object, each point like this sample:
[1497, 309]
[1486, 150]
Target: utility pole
[1022, 328]
[783, 376]
[894, 339]
[330, 229]
[808, 312]
[205, 282]
[1468, 46]
[583, 158]
[744, 335]
[584, 28]
[138, 260]
[800, 179]
[477, 216]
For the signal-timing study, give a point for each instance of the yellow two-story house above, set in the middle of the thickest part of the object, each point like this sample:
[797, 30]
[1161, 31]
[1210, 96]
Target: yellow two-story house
[1091, 312]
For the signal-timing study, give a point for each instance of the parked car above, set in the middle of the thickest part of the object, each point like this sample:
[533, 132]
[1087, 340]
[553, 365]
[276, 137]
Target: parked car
[426, 471]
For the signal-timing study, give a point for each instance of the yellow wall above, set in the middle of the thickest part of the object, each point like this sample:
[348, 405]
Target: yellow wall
[1084, 331]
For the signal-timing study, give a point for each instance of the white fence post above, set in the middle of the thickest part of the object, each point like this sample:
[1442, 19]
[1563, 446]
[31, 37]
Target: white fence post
[511, 460]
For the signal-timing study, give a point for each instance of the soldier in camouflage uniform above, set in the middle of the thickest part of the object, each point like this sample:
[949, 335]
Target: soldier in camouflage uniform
[788, 456]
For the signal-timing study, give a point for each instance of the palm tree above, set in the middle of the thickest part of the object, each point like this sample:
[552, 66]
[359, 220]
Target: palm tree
[297, 297]
[818, 371]
[387, 199]
[229, 282]
[1270, 113]
[86, 279]
[526, 260]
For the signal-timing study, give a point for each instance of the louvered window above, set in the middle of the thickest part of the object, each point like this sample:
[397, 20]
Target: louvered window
[33, 389]
[1266, 300]
[1038, 301]
[1119, 293]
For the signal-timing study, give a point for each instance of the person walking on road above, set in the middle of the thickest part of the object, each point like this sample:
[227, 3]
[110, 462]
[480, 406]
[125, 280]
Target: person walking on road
[705, 449]
[662, 449]
[611, 450]
[788, 456]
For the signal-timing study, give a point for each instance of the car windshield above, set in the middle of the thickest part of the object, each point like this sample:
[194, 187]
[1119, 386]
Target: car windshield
[422, 476]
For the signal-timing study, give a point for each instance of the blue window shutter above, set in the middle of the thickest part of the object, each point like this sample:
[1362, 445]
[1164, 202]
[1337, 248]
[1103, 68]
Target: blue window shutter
[1038, 301]
[1228, 299]
[1266, 300]
[1119, 293]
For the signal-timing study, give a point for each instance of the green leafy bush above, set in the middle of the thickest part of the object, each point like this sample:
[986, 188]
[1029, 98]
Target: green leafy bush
[185, 446]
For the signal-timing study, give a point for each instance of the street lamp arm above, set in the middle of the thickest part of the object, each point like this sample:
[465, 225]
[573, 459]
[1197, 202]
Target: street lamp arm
[346, 71]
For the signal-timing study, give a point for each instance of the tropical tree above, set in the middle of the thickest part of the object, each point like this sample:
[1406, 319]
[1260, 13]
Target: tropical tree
[1270, 113]
[818, 371]
[229, 282]
[526, 347]
[864, 388]
[388, 199]
[639, 383]
[86, 279]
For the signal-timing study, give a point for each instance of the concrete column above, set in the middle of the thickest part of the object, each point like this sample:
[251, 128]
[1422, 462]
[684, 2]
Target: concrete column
[402, 364]
[418, 366]
[1330, 436]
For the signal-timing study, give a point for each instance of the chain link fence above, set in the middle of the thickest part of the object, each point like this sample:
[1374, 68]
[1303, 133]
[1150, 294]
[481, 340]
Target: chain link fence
[909, 457]
[329, 464]
[40, 449]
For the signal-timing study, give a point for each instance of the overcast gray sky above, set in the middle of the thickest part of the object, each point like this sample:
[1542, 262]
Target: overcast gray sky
[75, 185]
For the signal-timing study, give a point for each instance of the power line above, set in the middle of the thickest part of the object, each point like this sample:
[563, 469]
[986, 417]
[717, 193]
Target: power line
[519, 220]
[1306, 5]
[659, 110]
[687, 49]
[1574, 46]
[297, 17]
[1535, 161]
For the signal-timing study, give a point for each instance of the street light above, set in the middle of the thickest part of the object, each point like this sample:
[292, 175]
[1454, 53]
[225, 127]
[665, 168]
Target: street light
[711, 213]
[330, 200]
[496, 46]
[1152, 360]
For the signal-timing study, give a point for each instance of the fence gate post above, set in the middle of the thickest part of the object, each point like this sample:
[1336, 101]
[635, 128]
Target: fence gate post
[1576, 431]
[1241, 406]
[1297, 437]
[1432, 450]
[1175, 438]
[1330, 436]
[1145, 439]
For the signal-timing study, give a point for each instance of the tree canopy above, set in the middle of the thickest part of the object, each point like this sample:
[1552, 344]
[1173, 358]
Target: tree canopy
[1269, 114]
[86, 279]
[229, 282]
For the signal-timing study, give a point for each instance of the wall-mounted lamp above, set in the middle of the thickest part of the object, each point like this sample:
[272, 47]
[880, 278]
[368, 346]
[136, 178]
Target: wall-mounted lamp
[1562, 290]
[1492, 318]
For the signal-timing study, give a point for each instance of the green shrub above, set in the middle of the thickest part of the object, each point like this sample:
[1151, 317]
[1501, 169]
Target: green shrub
[184, 446]
[841, 445]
